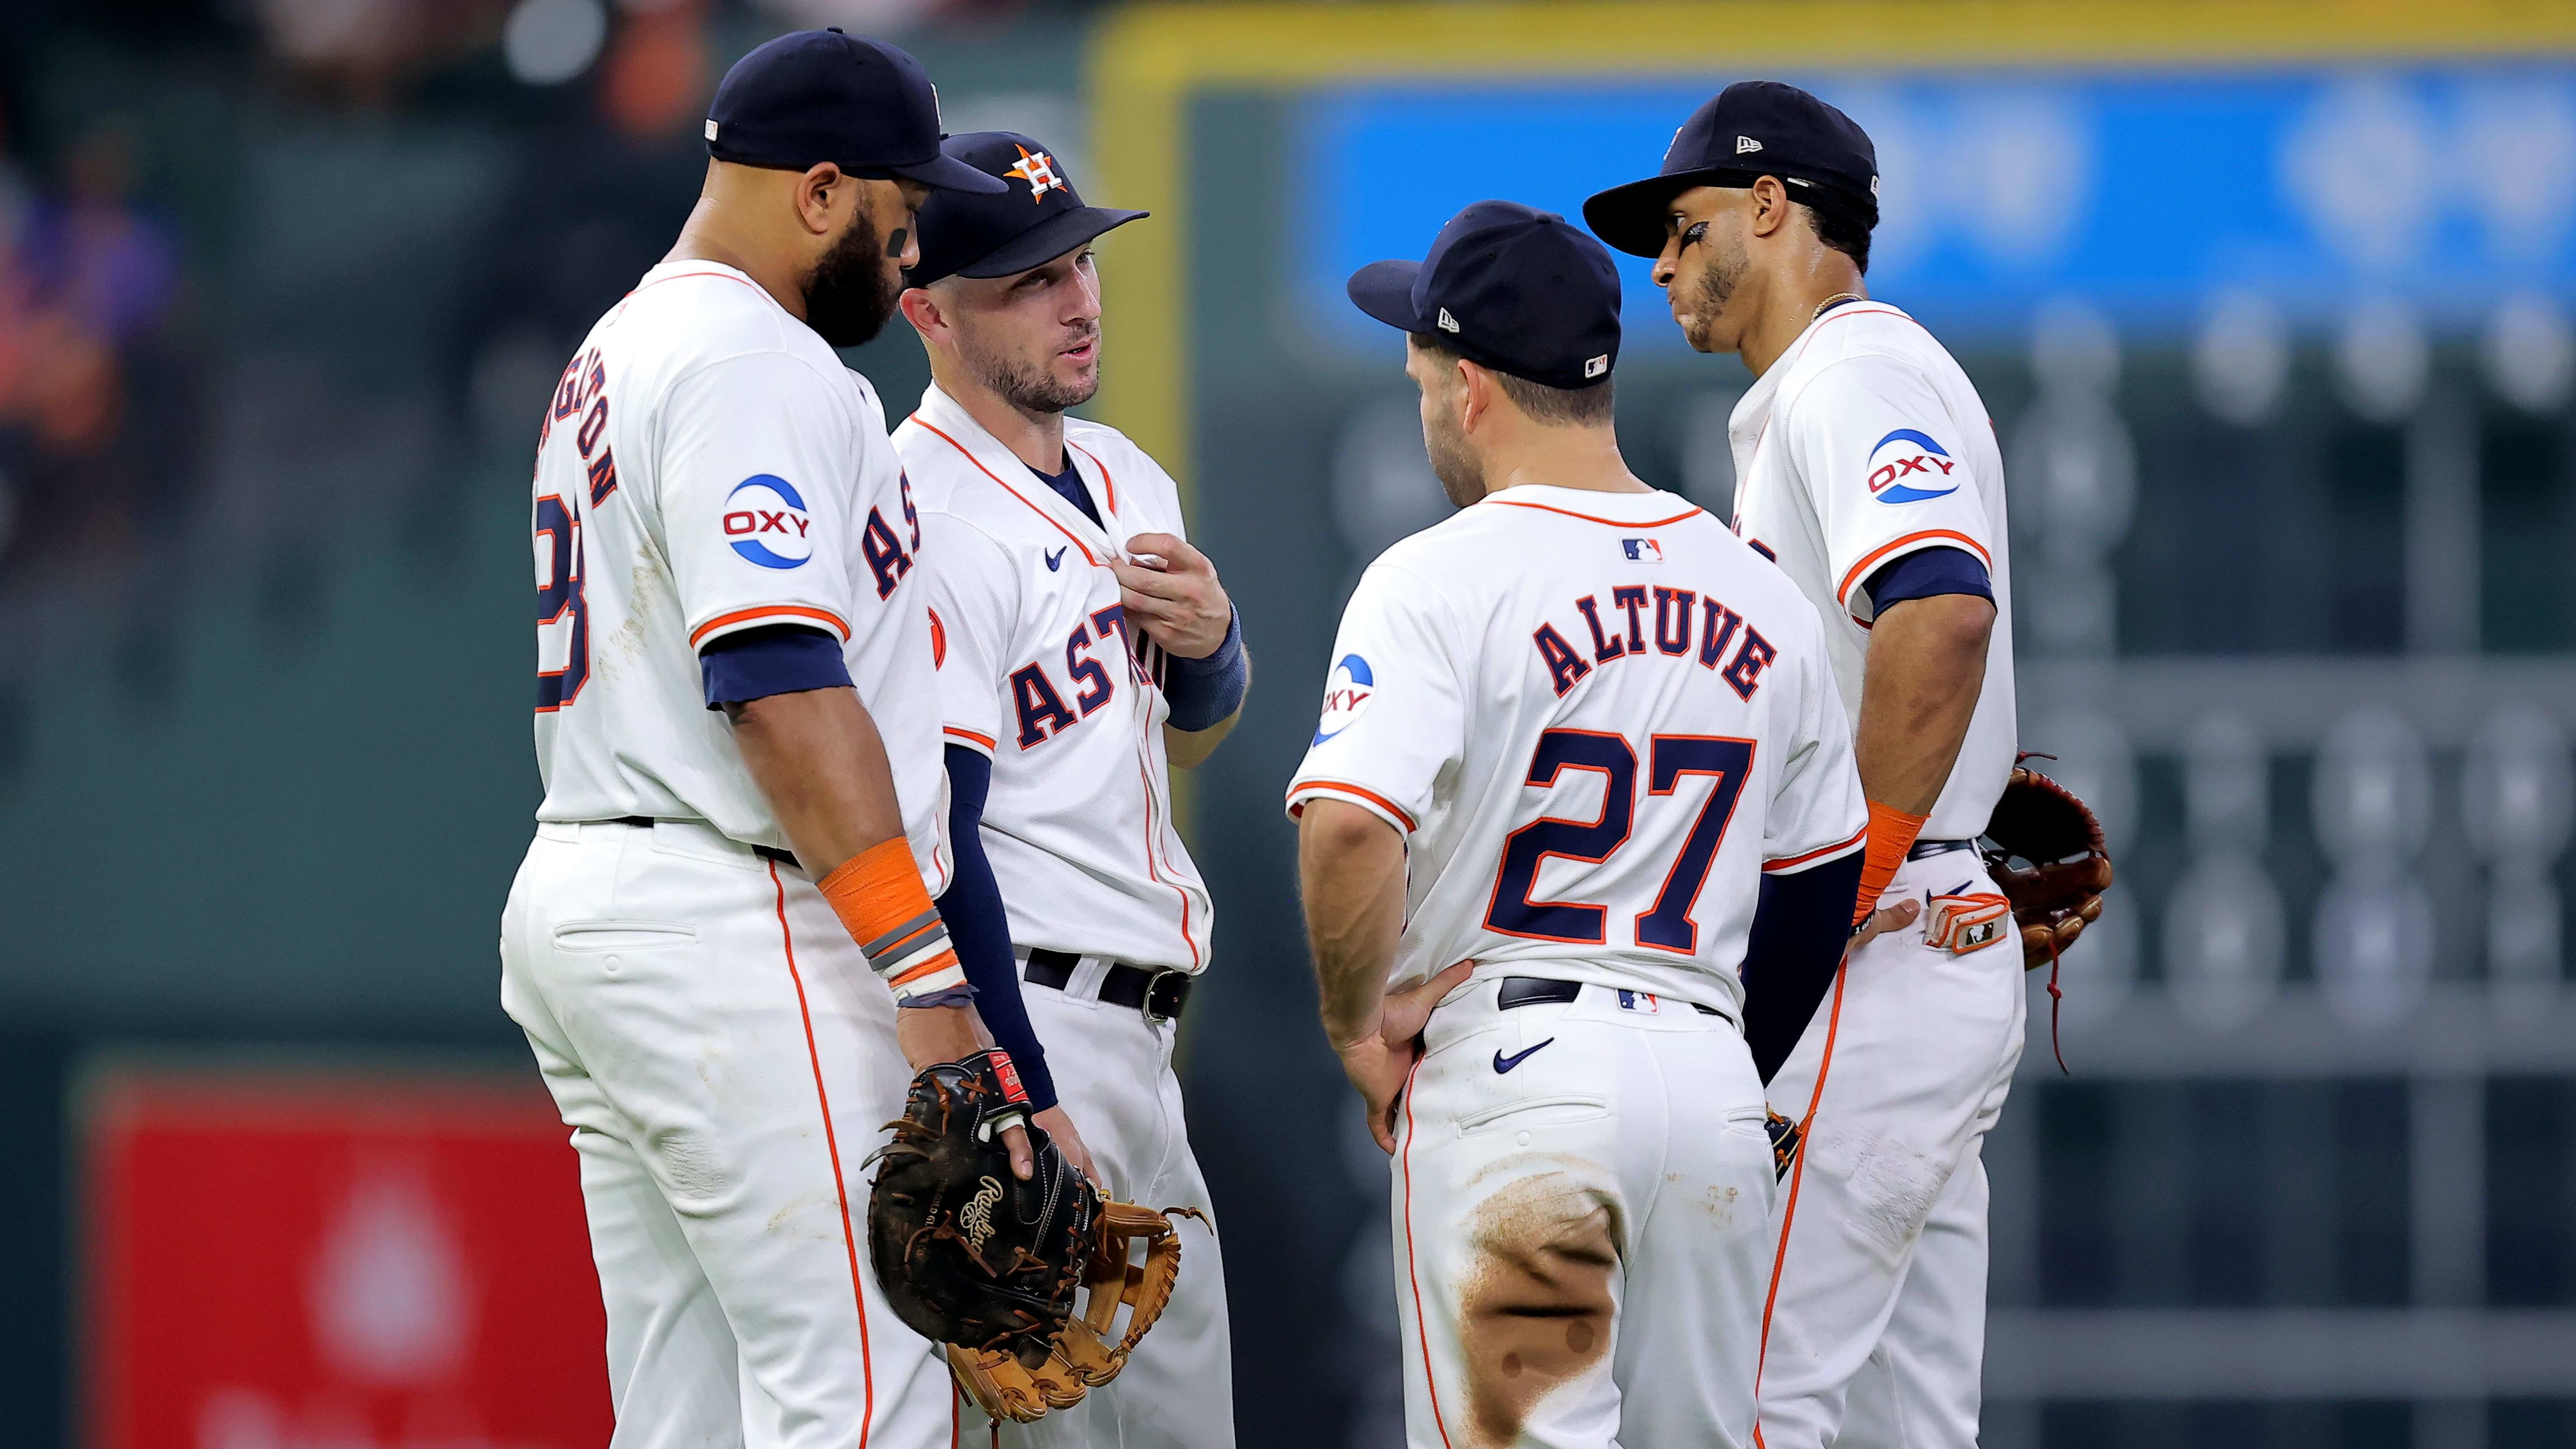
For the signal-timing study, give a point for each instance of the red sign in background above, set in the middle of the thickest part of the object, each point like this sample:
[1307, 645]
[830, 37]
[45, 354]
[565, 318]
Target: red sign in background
[287, 1261]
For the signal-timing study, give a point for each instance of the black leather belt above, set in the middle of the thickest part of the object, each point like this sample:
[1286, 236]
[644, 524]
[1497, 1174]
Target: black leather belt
[1547, 991]
[765, 852]
[1159, 994]
[1926, 849]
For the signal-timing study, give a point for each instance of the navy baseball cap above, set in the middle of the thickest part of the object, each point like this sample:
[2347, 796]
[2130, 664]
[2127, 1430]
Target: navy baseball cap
[1751, 130]
[813, 96]
[1516, 290]
[1037, 218]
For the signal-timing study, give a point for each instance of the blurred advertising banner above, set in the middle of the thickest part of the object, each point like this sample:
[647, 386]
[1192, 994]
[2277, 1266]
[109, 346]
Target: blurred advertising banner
[287, 1260]
[2145, 190]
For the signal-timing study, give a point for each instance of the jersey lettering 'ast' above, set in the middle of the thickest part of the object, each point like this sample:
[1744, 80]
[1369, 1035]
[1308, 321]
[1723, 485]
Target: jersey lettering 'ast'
[1865, 443]
[1597, 719]
[708, 466]
[1038, 669]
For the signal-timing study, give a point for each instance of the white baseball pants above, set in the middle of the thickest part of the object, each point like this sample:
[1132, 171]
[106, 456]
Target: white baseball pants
[1113, 1076]
[725, 1060]
[1876, 1334]
[1581, 1193]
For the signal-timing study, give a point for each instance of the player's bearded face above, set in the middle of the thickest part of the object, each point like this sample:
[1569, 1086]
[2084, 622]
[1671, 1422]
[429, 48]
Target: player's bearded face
[854, 287]
[1035, 375]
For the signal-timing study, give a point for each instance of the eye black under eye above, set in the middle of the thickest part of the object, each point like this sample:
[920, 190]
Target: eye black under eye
[1695, 233]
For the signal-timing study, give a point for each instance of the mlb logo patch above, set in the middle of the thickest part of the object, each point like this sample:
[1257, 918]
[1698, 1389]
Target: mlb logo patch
[1642, 550]
[1642, 1001]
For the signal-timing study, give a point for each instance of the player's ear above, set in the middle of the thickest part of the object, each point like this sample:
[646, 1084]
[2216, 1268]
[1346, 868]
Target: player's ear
[921, 308]
[1476, 392]
[1770, 206]
[821, 193]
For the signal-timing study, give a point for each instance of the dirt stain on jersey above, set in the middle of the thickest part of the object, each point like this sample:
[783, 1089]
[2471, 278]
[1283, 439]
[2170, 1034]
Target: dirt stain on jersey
[643, 585]
[1535, 1310]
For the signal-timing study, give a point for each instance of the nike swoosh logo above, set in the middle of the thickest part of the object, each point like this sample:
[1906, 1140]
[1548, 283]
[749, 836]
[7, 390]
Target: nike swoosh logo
[1506, 1063]
[1054, 559]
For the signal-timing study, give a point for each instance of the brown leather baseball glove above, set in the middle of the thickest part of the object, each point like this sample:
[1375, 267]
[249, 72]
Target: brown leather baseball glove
[2057, 891]
[965, 1251]
[995, 1268]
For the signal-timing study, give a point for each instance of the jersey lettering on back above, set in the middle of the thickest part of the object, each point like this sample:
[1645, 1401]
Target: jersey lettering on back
[1673, 635]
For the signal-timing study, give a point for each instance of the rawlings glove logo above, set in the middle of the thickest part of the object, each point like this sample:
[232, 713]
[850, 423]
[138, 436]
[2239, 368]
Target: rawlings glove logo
[975, 1219]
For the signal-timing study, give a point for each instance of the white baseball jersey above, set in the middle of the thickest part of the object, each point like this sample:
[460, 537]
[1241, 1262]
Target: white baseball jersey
[1597, 718]
[729, 473]
[1038, 669]
[1865, 443]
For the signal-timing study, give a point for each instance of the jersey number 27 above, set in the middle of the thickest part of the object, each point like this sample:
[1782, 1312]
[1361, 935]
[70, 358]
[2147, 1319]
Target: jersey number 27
[1666, 925]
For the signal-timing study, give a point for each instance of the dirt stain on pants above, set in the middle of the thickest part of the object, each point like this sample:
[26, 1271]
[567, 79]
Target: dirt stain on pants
[1535, 1310]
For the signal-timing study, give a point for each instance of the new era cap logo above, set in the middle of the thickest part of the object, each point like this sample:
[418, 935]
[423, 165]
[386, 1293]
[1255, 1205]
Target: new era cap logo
[1746, 143]
[1447, 322]
[711, 130]
[1595, 366]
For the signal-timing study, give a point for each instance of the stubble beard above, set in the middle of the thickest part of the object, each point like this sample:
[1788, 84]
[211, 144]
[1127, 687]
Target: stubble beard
[1031, 388]
[1717, 283]
[855, 287]
[1461, 476]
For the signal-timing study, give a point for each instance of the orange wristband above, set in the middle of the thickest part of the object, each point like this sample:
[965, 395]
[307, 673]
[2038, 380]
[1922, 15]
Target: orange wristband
[1891, 835]
[881, 901]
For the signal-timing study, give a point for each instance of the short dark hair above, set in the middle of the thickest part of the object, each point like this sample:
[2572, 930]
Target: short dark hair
[1841, 231]
[1543, 403]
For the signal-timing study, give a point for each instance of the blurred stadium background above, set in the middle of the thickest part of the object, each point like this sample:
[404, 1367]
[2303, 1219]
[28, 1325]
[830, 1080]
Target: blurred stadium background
[2271, 301]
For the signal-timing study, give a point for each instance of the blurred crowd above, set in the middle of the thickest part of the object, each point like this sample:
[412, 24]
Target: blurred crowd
[127, 353]
[90, 376]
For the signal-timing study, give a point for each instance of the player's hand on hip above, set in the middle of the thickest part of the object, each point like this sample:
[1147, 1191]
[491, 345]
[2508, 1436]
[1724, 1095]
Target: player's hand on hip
[1180, 603]
[1060, 1129]
[1883, 920]
[1380, 1059]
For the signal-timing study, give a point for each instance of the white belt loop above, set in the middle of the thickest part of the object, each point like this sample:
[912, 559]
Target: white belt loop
[1088, 977]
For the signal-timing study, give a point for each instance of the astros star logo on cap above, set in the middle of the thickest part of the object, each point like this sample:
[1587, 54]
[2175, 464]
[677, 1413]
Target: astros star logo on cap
[1037, 168]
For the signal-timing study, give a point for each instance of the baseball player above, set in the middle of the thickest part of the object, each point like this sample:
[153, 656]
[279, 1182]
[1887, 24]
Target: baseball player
[739, 740]
[1866, 466]
[1083, 646]
[1581, 765]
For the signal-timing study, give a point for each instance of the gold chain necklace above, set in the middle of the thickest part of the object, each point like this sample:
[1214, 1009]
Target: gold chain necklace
[1833, 301]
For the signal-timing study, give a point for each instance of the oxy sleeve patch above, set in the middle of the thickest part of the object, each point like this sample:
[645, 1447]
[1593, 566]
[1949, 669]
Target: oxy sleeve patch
[1346, 692]
[766, 521]
[1907, 466]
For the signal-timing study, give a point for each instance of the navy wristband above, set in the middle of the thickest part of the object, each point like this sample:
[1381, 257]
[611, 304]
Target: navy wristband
[1202, 692]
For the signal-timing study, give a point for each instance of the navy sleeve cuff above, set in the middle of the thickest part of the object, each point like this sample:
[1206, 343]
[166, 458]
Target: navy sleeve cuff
[772, 659]
[979, 927]
[1800, 927]
[1925, 572]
